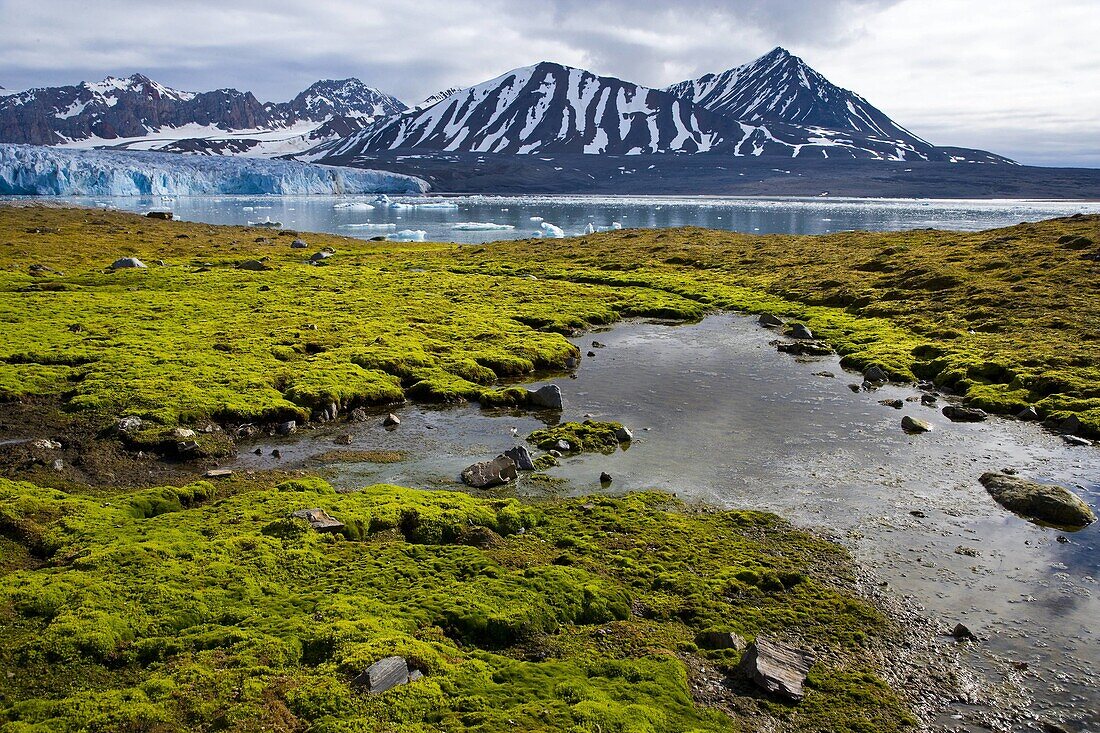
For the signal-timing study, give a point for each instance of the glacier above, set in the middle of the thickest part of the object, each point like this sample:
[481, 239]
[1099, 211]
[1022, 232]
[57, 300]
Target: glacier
[31, 170]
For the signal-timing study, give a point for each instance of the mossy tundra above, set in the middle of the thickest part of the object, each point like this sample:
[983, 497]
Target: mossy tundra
[1007, 318]
[206, 608]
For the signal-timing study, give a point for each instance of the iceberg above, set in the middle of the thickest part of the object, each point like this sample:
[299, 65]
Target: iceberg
[31, 170]
[480, 226]
[409, 235]
[551, 231]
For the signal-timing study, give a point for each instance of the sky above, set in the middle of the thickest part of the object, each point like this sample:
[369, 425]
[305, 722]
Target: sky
[1018, 77]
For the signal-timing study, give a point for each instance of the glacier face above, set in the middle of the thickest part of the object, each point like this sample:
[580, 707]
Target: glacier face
[28, 170]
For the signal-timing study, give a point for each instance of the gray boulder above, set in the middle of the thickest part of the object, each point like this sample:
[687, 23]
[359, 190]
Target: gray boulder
[319, 519]
[287, 428]
[298, 244]
[875, 375]
[548, 396]
[318, 256]
[623, 434]
[391, 421]
[769, 321]
[487, 474]
[1027, 414]
[521, 457]
[385, 674]
[130, 424]
[799, 331]
[127, 262]
[777, 668]
[958, 413]
[1044, 502]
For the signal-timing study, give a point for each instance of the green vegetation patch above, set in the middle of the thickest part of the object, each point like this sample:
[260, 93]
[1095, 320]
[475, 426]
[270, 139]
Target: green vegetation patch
[589, 436]
[207, 608]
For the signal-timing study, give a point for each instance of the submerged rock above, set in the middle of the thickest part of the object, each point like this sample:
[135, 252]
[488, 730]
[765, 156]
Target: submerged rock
[548, 396]
[487, 474]
[385, 674]
[319, 519]
[605, 477]
[958, 413]
[1044, 502]
[776, 667]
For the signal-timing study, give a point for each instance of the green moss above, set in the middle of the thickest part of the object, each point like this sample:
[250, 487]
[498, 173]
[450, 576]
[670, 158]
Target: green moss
[180, 608]
[585, 437]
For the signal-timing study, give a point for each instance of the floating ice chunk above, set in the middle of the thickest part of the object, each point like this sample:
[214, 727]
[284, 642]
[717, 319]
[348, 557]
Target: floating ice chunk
[549, 230]
[533, 218]
[354, 206]
[436, 205]
[370, 225]
[480, 226]
[409, 235]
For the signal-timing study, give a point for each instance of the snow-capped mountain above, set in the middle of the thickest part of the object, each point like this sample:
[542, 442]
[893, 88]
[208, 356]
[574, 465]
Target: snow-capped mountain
[138, 113]
[774, 106]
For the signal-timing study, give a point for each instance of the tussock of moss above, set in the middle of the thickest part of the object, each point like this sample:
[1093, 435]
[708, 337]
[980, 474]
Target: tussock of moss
[586, 437]
[183, 608]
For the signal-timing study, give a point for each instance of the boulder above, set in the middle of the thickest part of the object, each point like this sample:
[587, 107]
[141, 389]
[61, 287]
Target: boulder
[1027, 414]
[777, 668]
[130, 424]
[623, 434]
[385, 674]
[318, 256]
[875, 375]
[928, 400]
[319, 519]
[1044, 502]
[287, 428]
[799, 331]
[166, 215]
[915, 425]
[548, 396]
[958, 413]
[719, 640]
[769, 321]
[123, 263]
[487, 474]
[391, 421]
[253, 265]
[298, 244]
[962, 633]
[605, 477]
[521, 457]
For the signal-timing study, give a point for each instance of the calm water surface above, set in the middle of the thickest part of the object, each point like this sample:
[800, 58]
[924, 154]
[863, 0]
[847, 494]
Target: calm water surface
[523, 216]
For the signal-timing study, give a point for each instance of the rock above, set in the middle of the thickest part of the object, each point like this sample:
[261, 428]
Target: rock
[967, 551]
[521, 457]
[572, 362]
[719, 640]
[1027, 414]
[962, 633]
[415, 674]
[287, 428]
[777, 668]
[875, 375]
[853, 387]
[769, 321]
[548, 396]
[1044, 502]
[919, 514]
[623, 434]
[598, 345]
[45, 444]
[591, 353]
[342, 439]
[554, 453]
[928, 400]
[298, 244]
[804, 348]
[487, 474]
[329, 412]
[1075, 440]
[183, 434]
[127, 262]
[319, 519]
[799, 331]
[915, 425]
[359, 414]
[188, 447]
[218, 473]
[276, 453]
[896, 404]
[958, 413]
[391, 421]
[605, 477]
[385, 674]
[253, 265]
[1070, 425]
[58, 464]
[563, 446]
[166, 215]
[827, 375]
[318, 256]
[130, 424]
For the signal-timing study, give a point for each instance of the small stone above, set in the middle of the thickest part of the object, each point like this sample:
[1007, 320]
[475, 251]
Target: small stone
[591, 353]
[276, 453]
[958, 413]
[563, 445]
[928, 400]
[183, 434]
[827, 375]
[521, 457]
[799, 331]
[319, 519]
[287, 428]
[298, 244]
[217, 473]
[342, 439]
[895, 403]
[554, 453]
[45, 444]
[359, 414]
[769, 321]
[487, 474]
[548, 396]
[1070, 425]
[166, 215]
[124, 263]
[967, 551]
[853, 387]
[58, 464]
[319, 256]
[415, 674]
[1027, 414]
[253, 265]
[186, 447]
[623, 434]
[259, 451]
[918, 514]
[605, 477]
[391, 421]
[804, 348]
[130, 424]
[915, 425]
[962, 633]
[385, 674]
[598, 345]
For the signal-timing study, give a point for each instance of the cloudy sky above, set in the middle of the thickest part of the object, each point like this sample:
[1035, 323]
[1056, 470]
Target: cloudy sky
[1019, 77]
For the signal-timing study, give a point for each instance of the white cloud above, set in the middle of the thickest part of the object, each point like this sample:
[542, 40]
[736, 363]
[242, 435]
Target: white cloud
[1015, 76]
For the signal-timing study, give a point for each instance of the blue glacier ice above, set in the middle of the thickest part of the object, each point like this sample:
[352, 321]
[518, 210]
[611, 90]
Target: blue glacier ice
[31, 170]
